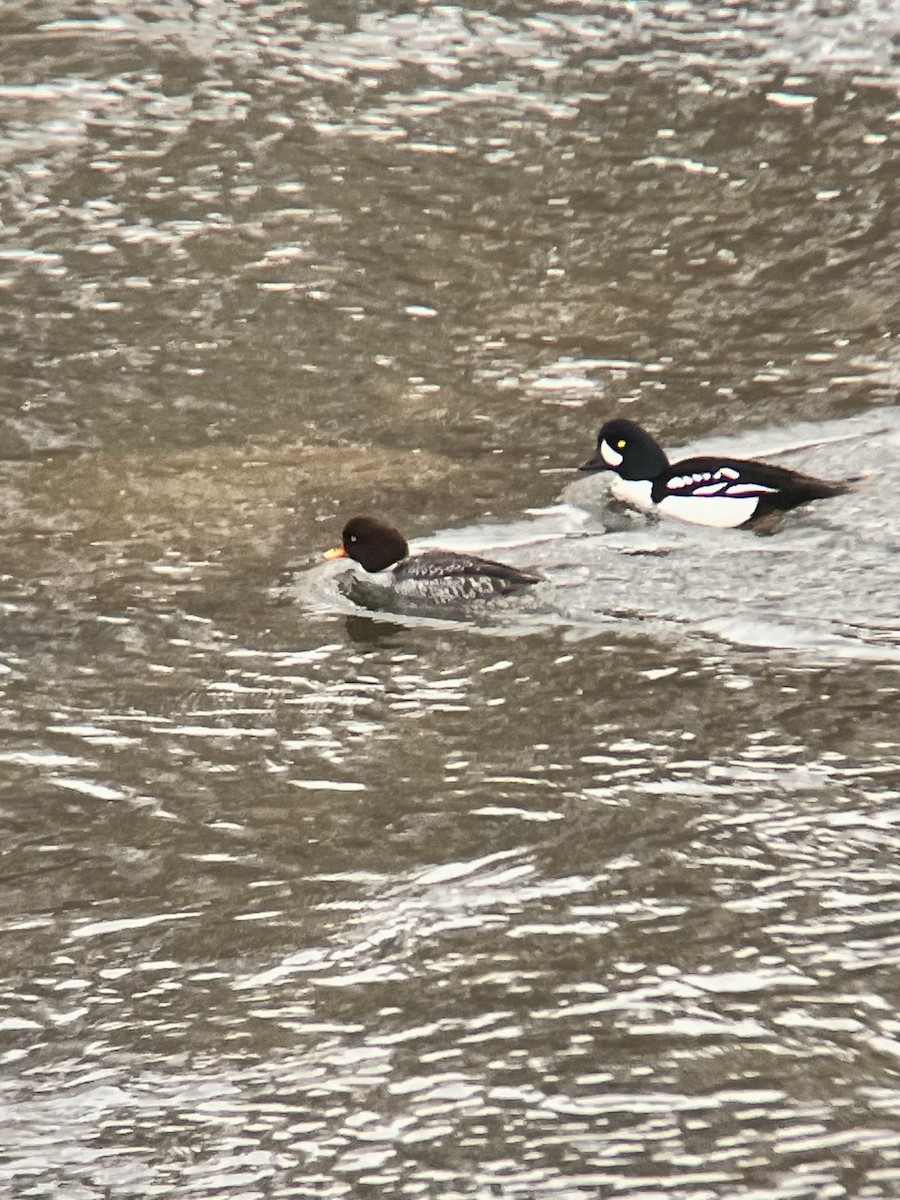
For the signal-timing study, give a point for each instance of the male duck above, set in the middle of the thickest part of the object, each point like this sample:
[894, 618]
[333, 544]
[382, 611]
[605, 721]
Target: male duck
[706, 490]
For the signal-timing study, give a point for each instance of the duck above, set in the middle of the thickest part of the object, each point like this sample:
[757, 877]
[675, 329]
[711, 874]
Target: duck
[434, 576]
[714, 490]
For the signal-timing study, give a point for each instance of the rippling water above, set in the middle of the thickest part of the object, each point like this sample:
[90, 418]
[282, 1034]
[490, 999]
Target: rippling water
[591, 894]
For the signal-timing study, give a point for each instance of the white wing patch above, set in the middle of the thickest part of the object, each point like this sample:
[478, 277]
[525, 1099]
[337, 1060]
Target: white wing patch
[749, 489]
[706, 483]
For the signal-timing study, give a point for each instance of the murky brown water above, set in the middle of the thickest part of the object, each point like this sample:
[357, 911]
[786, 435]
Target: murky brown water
[593, 896]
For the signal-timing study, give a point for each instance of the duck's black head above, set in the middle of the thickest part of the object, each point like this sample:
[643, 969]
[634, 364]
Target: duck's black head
[370, 542]
[625, 447]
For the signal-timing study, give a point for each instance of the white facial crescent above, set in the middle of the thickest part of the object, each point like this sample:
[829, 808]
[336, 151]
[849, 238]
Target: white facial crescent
[611, 457]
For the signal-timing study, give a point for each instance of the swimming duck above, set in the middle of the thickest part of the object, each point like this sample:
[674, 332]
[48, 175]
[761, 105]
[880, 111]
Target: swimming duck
[436, 576]
[707, 490]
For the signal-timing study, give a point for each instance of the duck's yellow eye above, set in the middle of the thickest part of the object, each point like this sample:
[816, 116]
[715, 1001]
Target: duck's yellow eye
[620, 444]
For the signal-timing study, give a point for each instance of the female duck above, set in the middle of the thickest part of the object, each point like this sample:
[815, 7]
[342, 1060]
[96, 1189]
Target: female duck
[707, 490]
[435, 576]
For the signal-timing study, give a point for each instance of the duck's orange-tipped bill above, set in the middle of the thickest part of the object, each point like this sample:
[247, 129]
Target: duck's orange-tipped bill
[335, 552]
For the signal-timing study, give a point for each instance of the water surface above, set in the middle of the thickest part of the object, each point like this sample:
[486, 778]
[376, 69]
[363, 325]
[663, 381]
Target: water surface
[591, 895]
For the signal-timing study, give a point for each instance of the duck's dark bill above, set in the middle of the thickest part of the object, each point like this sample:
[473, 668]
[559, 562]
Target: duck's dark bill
[335, 552]
[594, 464]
